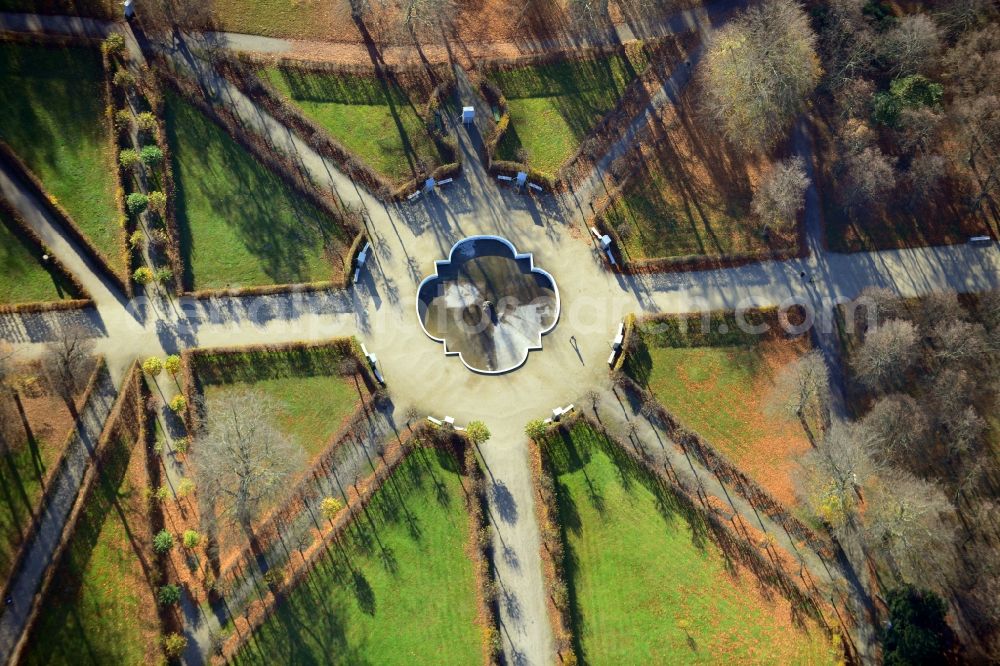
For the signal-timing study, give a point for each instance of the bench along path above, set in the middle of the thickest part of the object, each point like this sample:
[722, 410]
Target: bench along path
[62, 493]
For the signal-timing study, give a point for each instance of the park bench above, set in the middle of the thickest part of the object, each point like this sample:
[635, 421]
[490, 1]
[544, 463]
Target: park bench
[362, 258]
[980, 240]
[506, 178]
[445, 181]
[373, 363]
[413, 196]
[537, 188]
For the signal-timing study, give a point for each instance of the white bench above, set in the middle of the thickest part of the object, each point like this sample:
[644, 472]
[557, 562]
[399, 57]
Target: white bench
[413, 196]
[434, 420]
[506, 178]
[559, 412]
[611, 257]
[535, 187]
[373, 362]
[611, 359]
[450, 420]
[619, 337]
[445, 181]
[980, 240]
[357, 274]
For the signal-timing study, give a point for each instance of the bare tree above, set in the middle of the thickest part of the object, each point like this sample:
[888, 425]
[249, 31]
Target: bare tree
[912, 45]
[912, 520]
[938, 307]
[802, 389]
[896, 429]
[926, 177]
[958, 342]
[781, 195]
[854, 98]
[868, 175]
[919, 127]
[888, 352]
[835, 472]
[758, 71]
[420, 15]
[587, 14]
[847, 41]
[242, 458]
[65, 363]
[886, 303]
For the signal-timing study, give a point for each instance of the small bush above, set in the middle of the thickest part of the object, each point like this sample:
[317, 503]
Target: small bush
[146, 122]
[191, 539]
[151, 155]
[168, 595]
[143, 275]
[136, 202]
[157, 200]
[163, 542]
[164, 275]
[181, 445]
[330, 507]
[135, 240]
[152, 366]
[178, 403]
[128, 158]
[174, 645]
[535, 429]
[122, 120]
[163, 494]
[113, 43]
[185, 487]
[172, 364]
[123, 78]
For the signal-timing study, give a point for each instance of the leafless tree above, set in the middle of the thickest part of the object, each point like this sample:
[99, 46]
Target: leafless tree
[936, 308]
[919, 128]
[419, 15]
[913, 520]
[835, 472]
[242, 458]
[847, 42]
[587, 14]
[926, 177]
[854, 98]
[802, 389]
[868, 175]
[912, 45]
[781, 195]
[888, 352]
[887, 303]
[958, 16]
[758, 71]
[65, 363]
[896, 429]
[959, 342]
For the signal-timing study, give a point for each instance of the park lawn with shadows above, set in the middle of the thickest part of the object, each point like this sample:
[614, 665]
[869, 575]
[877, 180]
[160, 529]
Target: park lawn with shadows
[719, 386]
[646, 582]
[315, 400]
[554, 106]
[396, 588]
[109, 9]
[102, 608]
[239, 223]
[53, 102]
[24, 276]
[689, 194]
[35, 439]
[374, 118]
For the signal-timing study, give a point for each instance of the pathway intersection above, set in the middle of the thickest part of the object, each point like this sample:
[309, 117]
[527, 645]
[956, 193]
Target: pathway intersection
[379, 311]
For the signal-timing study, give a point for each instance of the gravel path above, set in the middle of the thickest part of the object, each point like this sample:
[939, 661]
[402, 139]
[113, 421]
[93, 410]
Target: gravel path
[62, 491]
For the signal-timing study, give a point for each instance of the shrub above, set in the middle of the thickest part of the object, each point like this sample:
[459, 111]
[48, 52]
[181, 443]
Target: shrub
[113, 43]
[181, 445]
[128, 158]
[146, 122]
[477, 432]
[191, 539]
[136, 202]
[163, 542]
[135, 240]
[330, 507]
[172, 364]
[535, 429]
[163, 493]
[143, 275]
[185, 487]
[122, 120]
[152, 366]
[178, 403]
[123, 78]
[164, 275]
[909, 92]
[151, 155]
[157, 200]
[174, 645]
[168, 594]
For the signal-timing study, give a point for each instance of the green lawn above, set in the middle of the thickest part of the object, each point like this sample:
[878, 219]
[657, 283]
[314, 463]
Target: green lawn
[314, 400]
[398, 589]
[24, 278]
[21, 472]
[239, 223]
[374, 119]
[553, 106]
[53, 105]
[719, 386]
[639, 568]
[101, 608]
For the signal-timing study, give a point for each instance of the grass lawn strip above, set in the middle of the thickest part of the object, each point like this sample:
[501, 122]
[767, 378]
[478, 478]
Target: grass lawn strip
[553, 106]
[646, 583]
[373, 118]
[396, 587]
[103, 608]
[54, 120]
[24, 275]
[239, 223]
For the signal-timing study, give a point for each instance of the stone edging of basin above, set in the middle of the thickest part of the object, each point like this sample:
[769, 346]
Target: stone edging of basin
[517, 256]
